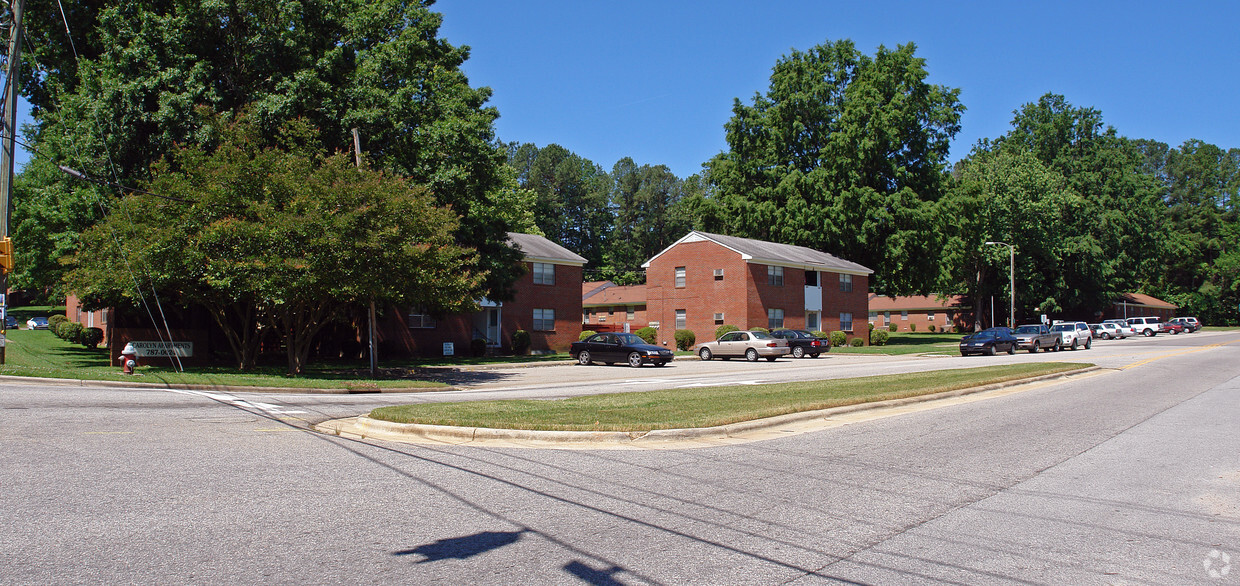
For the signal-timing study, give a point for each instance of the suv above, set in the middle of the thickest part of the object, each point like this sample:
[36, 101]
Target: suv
[1073, 334]
[1146, 326]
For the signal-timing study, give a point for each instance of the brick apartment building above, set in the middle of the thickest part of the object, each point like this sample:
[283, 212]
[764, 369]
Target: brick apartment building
[607, 307]
[707, 280]
[1140, 305]
[919, 312]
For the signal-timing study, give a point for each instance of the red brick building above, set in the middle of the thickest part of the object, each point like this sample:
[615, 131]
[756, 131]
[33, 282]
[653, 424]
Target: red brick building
[547, 304]
[607, 307]
[919, 312]
[1140, 305]
[707, 280]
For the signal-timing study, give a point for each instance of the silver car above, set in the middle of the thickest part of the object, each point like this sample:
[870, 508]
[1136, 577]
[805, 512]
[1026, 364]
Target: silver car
[746, 343]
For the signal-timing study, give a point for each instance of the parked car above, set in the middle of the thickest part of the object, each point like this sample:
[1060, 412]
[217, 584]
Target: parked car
[1107, 331]
[1190, 324]
[803, 342]
[1073, 334]
[1173, 328]
[36, 323]
[1124, 329]
[1034, 337]
[749, 344]
[988, 342]
[10, 322]
[1146, 326]
[618, 347]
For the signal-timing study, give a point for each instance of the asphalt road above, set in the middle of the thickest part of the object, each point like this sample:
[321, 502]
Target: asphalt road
[1131, 476]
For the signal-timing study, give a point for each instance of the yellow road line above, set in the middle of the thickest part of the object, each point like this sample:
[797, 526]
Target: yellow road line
[1170, 354]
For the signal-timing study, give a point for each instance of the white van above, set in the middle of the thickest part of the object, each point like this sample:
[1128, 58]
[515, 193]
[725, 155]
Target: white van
[1146, 326]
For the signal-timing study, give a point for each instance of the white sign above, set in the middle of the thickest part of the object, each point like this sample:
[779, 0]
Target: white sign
[449, 348]
[163, 349]
[2, 341]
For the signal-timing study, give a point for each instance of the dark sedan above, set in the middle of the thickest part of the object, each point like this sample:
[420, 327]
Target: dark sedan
[608, 348]
[988, 342]
[803, 343]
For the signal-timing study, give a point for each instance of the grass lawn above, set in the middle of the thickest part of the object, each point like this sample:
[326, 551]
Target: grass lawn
[909, 343]
[703, 407]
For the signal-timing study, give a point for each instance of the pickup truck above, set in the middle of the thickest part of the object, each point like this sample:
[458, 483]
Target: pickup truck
[1034, 337]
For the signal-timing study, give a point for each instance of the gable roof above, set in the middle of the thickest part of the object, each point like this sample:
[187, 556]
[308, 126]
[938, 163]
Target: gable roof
[539, 249]
[773, 253]
[1144, 301]
[616, 295]
[589, 288]
[916, 303]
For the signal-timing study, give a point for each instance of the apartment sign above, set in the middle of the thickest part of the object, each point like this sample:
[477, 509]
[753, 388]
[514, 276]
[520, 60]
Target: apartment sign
[163, 349]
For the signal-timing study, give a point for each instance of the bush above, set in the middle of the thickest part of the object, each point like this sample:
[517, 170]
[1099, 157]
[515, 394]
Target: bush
[931, 326]
[763, 330]
[893, 328]
[70, 332]
[871, 325]
[478, 347]
[912, 327]
[91, 337]
[819, 334]
[586, 334]
[879, 337]
[856, 342]
[520, 342]
[838, 338]
[685, 339]
[649, 334]
[723, 329]
[54, 323]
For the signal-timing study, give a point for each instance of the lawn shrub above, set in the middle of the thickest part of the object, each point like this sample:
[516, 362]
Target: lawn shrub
[478, 347]
[648, 334]
[879, 337]
[893, 328]
[819, 334]
[723, 329]
[871, 326]
[586, 334]
[520, 342]
[685, 339]
[91, 337]
[931, 326]
[760, 329]
[856, 342]
[55, 321]
[912, 327]
[69, 331]
[838, 338]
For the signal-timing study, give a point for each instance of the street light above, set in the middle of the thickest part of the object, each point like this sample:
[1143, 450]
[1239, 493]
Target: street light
[1012, 277]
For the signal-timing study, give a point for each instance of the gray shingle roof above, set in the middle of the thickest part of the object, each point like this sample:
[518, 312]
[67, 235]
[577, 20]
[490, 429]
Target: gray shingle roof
[537, 248]
[779, 254]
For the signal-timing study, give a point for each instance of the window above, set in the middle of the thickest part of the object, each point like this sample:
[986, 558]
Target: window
[544, 320]
[544, 273]
[775, 276]
[904, 315]
[420, 319]
[629, 314]
[930, 316]
[585, 316]
[774, 319]
[846, 322]
[886, 318]
[846, 283]
[811, 278]
[811, 320]
[680, 319]
[680, 277]
[873, 316]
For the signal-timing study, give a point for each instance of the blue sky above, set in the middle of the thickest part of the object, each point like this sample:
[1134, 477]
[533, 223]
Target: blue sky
[655, 80]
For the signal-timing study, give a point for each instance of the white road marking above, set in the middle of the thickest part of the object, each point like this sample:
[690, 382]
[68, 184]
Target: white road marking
[223, 398]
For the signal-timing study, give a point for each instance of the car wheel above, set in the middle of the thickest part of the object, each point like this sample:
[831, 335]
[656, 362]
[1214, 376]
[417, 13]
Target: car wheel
[1058, 346]
[771, 358]
[1174, 332]
[1088, 343]
[635, 359]
[1034, 348]
[815, 355]
[583, 358]
[1147, 333]
[751, 355]
[963, 353]
[1074, 344]
[798, 352]
[704, 353]
[1011, 349]
[990, 350]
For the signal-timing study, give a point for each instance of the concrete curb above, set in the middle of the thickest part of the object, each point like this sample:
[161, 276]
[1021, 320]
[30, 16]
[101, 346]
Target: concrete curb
[363, 426]
[217, 388]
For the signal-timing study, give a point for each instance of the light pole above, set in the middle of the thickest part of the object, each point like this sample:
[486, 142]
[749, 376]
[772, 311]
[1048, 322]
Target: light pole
[1012, 277]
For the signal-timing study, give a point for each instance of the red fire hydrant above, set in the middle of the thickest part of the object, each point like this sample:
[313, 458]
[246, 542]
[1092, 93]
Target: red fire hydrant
[128, 358]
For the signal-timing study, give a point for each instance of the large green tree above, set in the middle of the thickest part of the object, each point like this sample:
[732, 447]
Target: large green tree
[282, 239]
[570, 197]
[845, 153]
[649, 216]
[146, 67]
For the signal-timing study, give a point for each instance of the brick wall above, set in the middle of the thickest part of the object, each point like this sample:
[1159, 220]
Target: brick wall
[564, 297]
[703, 295]
[856, 302]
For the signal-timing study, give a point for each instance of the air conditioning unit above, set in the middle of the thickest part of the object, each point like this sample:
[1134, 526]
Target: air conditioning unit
[718, 273]
[718, 317]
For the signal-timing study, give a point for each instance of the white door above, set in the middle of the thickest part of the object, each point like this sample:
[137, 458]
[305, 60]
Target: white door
[493, 329]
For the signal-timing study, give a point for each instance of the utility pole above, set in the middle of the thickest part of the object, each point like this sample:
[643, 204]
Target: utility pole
[8, 146]
[374, 355]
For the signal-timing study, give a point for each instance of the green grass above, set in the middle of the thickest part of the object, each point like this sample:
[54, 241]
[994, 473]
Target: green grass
[909, 343]
[703, 407]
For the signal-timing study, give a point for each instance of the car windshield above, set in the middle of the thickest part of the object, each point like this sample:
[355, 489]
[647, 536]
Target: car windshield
[983, 334]
[629, 339]
[1028, 330]
[761, 335]
[1062, 328]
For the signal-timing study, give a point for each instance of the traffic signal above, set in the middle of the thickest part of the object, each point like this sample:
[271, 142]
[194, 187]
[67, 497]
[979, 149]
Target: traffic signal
[6, 255]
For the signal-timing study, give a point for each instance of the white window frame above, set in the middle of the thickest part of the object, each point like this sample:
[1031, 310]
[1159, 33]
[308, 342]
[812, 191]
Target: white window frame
[846, 321]
[681, 278]
[846, 284]
[775, 275]
[544, 273]
[682, 319]
[544, 320]
[774, 318]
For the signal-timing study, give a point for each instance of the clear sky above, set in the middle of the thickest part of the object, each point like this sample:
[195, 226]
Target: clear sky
[655, 80]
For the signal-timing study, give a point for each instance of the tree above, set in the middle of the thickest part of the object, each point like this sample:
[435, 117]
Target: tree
[649, 217]
[379, 66]
[570, 197]
[844, 153]
[283, 238]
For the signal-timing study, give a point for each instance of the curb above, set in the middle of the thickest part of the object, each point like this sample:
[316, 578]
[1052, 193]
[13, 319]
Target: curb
[364, 426]
[218, 388]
